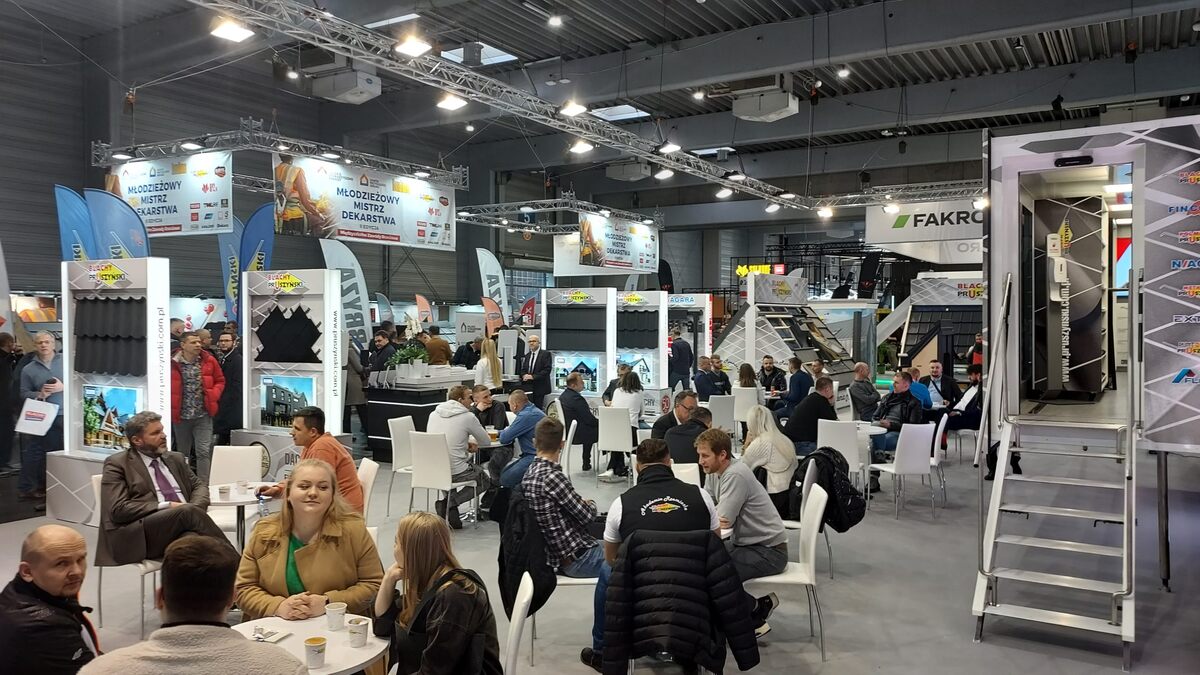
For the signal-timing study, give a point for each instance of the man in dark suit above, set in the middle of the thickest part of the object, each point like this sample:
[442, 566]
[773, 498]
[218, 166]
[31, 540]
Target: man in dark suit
[706, 385]
[606, 397]
[229, 407]
[576, 409]
[149, 497]
[679, 365]
[681, 439]
[534, 371]
[685, 403]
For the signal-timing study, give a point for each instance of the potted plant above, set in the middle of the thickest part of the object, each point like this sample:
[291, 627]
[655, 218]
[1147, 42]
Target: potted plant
[405, 360]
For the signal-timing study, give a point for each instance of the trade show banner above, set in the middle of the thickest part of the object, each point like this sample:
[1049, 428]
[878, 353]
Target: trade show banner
[492, 277]
[354, 289]
[566, 260]
[196, 313]
[75, 233]
[179, 195]
[619, 244]
[471, 325]
[5, 306]
[492, 317]
[119, 230]
[941, 232]
[258, 240]
[229, 245]
[385, 309]
[316, 198]
[424, 311]
[529, 312]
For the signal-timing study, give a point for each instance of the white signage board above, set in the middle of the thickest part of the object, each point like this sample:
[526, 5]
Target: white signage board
[471, 325]
[335, 201]
[566, 260]
[617, 244]
[941, 232]
[180, 195]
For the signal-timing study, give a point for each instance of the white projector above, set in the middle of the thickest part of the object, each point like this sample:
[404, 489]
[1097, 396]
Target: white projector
[350, 86]
[767, 107]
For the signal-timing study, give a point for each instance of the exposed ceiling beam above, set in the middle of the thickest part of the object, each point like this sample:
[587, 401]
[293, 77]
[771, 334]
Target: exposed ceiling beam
[1155, 75]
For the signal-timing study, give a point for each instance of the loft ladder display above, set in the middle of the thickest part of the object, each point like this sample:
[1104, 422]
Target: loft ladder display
[1056, 499]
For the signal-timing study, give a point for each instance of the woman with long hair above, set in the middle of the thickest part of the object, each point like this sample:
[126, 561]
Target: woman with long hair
[628, 395]
[487, 370]
[749, 379]
[315, 551]
[767, 447]
[442, 622]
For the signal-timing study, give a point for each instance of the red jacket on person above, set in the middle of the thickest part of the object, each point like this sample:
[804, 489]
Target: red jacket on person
[212, 383]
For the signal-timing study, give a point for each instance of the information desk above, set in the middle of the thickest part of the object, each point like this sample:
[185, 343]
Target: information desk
[416, 396]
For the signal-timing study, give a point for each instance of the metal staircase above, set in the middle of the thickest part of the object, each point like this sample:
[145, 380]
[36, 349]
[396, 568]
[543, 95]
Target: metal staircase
[1095, 546]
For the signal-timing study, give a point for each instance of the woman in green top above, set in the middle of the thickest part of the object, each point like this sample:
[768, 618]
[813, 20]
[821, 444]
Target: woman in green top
[315, 551]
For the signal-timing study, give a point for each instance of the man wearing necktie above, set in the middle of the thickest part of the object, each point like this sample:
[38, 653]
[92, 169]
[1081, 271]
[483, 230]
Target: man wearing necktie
[149, 497]
[535, 371]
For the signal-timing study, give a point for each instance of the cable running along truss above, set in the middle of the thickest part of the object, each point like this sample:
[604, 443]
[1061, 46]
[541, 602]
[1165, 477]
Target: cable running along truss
[497, 215]
[319, 28]
[900, 194]
[252, 136]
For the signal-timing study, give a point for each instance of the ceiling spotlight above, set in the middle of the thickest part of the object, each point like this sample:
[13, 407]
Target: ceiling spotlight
[510, 230]
[464, 214]
[843, 72]
[1016, 43]
[330, 155]
[724, 193]
[903, 147]
[788, 195]
[1185, 98]
[698, 94]
[980, 204]
[668, 147]
[451, 102]
[347, 160]
[1118, 189]
[504, 221]
[421, 173]
[564, 80]
[413, 46]
[470, 128]
[572, 109]
[864, 180]
[581, 146]
[551, 83]
[664, 173]
[122, 155]
[1196, 27]
[736, 175]
[526, 209]
[605, 212]
[1056, 104]
[1122, 221]
[772, 208]
[647, 221]
[555, 21]
[283, 147]
[190, 145]
[886, 132]
[817, 84]
[292, 74]
[888, 197]
[891, 208]
[231, 30]
[825, 212]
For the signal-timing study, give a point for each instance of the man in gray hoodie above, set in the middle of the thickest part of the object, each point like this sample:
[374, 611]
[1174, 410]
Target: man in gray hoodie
[463, 434]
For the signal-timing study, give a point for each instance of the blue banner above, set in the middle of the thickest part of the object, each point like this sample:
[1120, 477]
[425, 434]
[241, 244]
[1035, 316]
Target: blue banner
[229, 250]
[258, 239]
[77, 238]
[119, 229]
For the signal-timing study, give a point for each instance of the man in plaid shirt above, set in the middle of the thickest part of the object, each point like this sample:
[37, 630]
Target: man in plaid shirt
[561, 513]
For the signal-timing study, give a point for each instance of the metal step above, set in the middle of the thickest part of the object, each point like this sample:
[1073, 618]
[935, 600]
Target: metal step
[1060, 480]
[1033, 421]
[1059, 580]
[1053, 618]
[1067, 453]
[1064, 512]
[1059, 545]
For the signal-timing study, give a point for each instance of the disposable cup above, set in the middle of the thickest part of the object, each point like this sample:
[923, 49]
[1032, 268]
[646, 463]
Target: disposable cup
[314, 652]
[358, 631]
[335, 614]
[223, 491]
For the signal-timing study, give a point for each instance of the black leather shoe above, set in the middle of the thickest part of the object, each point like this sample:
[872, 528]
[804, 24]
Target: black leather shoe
[592, 658]
[990, 476]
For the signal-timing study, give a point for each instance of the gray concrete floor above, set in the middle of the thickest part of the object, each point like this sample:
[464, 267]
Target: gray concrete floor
[900, 602]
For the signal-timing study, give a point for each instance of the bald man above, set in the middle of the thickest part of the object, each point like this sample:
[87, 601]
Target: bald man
[520, 432]
[42, 625]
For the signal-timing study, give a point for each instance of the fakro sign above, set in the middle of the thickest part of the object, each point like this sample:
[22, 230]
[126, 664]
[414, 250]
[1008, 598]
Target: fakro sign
[926, 221]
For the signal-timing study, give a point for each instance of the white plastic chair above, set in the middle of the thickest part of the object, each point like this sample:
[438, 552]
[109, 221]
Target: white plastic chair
[912, 459]
[803, 572]
[843, 437]
[688, 473]
[512, 416]
[399, 428]
[744, 400]
[431, 469]
[935, 459]
[520, 613]
[368, 469]
[554, 410]
[560, 582]
[231, 463]
[145, 567]
[957, 435]
[568, 438]
[810, 479]
[613, 436]
[722, 409]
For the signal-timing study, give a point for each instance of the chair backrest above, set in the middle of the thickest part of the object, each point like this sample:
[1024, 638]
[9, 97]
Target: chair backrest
[231, 463]
[399, 428]
[431, 460]
[722, 407]
[688, 473]
[368, 469]
[512, 416]
[554, 410]
[570, 436]
[614, 430]
[810, 479]
[744, 398]
[912, 449]
[373, 380]
[936, 446]
[841, 436]
[811, 514]
[94, 521]
[517, 625]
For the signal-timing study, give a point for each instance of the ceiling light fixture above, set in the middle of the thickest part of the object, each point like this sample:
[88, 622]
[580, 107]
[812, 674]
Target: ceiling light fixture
[464, 214]
[605, 212]
[233, 31]
[736, 175]
[581, 146]
[647, 221]
[347, 160]
[292, 74]
[825, 212]
[1122, 221]
[668, 148]
[772, 208]
[698, 94]
[190, 145]
[1185, 98]
[283, 146]
[817, 84]
[891, 208]
[980, 203]
[724, 193]
[330, 155]
[1120, 207]
[1119, 188]
[413, 46]
[843, 72]
[451, 102]
[510, 230]
[122, 155]
[664, 173]
[526, 209]
[470, 128]
[572, 109]
[421, 173]
[788, 195]
[555, 21]
[1056, 103]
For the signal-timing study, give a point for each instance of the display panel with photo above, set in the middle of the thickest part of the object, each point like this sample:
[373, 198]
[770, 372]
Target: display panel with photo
[105, 411]
[588, 368]
[281, 396]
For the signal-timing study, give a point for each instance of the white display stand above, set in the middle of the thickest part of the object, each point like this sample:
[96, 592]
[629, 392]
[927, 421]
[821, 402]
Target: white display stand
[649, 362]
[557, 304]
[682, 307]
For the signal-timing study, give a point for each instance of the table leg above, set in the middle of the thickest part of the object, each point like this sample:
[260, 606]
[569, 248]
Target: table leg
[1164, 530]
[241, 527]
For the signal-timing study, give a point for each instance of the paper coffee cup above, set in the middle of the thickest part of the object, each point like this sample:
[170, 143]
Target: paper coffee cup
[358, 631]
[314, 652]
[335, 614]
[223, 491]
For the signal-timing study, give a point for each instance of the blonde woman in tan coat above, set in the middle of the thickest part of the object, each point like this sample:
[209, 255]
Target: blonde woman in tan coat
[316, 551]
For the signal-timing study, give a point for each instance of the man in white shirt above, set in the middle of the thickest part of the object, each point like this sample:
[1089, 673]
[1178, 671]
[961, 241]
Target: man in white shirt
[463, 433]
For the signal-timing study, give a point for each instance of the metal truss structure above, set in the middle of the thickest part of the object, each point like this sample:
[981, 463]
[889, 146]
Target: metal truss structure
[307, 23]
[508, 215]
[252, 135]
[248, 183]
[916, 192]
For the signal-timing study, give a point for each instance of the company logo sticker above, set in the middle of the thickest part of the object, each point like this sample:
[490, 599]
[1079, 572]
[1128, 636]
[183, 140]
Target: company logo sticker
[1189, 177]
[1188, 347]
[1189, 237]
[1189, 264]
[34, 416]
[578, 296]
[781, 289]
[285, 282]
[179, 169]
[1186, 318]
[663, 505]
[220, 171]
[109, 275]
[973, 290]
[1186, 376]
[1190, 210]
[1189, 291]
[633, 299]
[901, 221]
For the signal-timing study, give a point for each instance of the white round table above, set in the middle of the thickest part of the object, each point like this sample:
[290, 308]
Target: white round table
[869, 429]
[340, 657]
[240, 499]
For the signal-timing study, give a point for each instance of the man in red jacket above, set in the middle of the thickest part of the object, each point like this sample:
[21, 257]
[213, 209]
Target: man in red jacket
[196, 386]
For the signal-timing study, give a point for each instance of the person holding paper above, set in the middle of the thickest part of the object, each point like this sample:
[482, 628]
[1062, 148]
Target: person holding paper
[41, 380]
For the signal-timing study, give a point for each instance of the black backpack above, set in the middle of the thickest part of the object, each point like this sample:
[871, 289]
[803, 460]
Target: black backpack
[846, 507]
